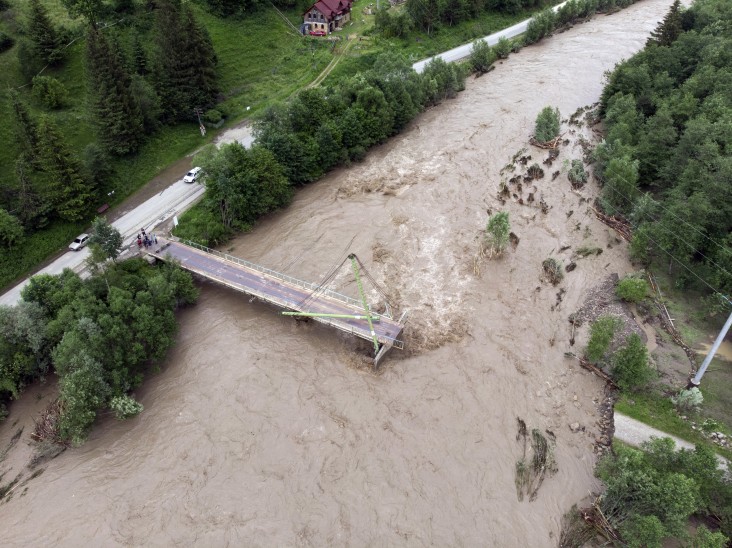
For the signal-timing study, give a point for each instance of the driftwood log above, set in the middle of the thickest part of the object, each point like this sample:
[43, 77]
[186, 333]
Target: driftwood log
[553, 144]
[618, 225]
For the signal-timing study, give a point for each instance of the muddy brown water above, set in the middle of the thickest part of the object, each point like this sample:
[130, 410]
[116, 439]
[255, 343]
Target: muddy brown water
[262, 431]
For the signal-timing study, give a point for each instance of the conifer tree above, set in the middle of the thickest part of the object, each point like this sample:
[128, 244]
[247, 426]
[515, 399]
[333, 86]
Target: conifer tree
[26, 127]
[33, 201]
[185, 62]
[202, 59]
[139, 56]
[115, 111]
[71, 192]
[670, 28]
[46, 40]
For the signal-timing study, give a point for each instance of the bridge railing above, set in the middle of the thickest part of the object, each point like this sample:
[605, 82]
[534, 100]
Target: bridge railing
[283, 277]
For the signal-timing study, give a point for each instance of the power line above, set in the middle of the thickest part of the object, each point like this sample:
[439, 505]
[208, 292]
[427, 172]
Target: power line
[690, 245]
[659, 246]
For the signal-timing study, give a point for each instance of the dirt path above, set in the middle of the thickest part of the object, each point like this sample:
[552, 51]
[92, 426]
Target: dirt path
[634, 433]
[328, 69]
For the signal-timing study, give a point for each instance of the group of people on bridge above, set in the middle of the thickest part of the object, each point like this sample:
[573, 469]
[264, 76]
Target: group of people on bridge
[145, 239]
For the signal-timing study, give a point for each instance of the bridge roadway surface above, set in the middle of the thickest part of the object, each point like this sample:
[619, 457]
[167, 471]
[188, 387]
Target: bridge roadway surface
[273, 290]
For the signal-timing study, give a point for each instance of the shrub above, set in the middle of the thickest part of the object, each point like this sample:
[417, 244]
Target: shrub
[630, 364]
[601, 335]
[6, 42]
[577, 174]
[643, 531]
[503, 48]
[632, 290]
[125, 407]
[481, 57]
[497, 232]
[49, 91]
[587, 250]
[11, 230]
[688, 400]
[540, 26]
[213, 116]
[553, 270]
[202, 226]
[547, 124]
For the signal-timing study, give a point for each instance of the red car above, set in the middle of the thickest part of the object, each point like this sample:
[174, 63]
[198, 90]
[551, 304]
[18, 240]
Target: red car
[317, 33]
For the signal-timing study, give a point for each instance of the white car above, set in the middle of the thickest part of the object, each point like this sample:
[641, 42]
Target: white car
[193, 175]
[79, 242]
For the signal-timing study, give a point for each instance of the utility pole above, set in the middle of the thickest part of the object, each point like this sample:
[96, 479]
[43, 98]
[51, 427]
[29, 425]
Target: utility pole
[197, 111]
[699, 374]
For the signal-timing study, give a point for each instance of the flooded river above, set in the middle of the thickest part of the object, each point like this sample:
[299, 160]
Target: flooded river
[265, 432]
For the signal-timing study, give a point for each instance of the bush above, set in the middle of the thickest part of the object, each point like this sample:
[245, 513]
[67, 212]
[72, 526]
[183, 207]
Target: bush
[540, 26]
[688, 400]
[497, 232]
[213, 116]
[503, 48]
[553, 270]
[630, 364]
[202, 226]
[11, 230]
[6, 42]
[643, 532]
[632, 290]
[547, 124]
[49, 91]
[481, 57]
[577, 174]
[125, 407]
[601, 335]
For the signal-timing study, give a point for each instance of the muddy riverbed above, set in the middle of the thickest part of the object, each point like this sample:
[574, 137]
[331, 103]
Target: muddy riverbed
[262, 431]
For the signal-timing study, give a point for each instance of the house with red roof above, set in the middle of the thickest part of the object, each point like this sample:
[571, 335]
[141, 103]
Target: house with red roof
[325, 16]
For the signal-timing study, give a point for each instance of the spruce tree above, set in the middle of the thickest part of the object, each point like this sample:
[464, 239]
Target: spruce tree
[670, 28]
[202, 58]
[46, 40]
[185, 62]
[170, 73]
[139, 56]
[34, 202]
[26, 127]
[114, 110]
[71, 193]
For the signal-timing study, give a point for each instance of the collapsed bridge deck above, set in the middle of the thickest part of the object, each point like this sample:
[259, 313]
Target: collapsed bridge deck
[279, 289]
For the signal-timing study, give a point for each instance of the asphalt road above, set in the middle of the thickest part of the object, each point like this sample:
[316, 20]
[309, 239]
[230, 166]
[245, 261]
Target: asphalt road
[171, 201]
[461, 52]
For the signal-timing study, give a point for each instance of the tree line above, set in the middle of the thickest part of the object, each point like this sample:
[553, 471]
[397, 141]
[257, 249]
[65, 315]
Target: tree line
[321, 128]
[665, 161]
[429, 15]
[156, 69]
[99, 335]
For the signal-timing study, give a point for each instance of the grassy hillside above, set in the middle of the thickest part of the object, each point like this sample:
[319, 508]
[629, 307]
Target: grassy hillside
[260, 60]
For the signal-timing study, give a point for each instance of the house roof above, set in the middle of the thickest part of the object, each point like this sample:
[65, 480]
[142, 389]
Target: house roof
[329, 8]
